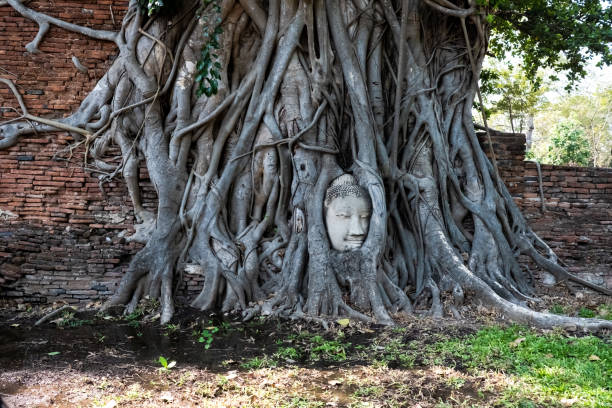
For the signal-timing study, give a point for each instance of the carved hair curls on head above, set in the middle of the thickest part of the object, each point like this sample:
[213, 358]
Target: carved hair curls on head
[344, 186]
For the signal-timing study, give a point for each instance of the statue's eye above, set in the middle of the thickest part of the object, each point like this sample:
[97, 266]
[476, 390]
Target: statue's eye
[342, 215]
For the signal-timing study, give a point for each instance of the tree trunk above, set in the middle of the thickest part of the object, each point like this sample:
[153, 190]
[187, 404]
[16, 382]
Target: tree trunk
[310, 90]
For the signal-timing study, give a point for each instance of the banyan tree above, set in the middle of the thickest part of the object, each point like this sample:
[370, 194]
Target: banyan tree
[311, 158]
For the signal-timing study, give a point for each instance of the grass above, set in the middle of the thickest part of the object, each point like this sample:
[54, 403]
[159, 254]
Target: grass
[604, 311]
[256, 363]
[334, 350]
[548, 369]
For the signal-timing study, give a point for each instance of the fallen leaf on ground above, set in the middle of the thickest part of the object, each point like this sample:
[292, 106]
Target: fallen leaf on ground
[518, 341]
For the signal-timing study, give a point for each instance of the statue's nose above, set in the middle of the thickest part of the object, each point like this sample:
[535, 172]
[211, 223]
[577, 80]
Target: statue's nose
[356, 226]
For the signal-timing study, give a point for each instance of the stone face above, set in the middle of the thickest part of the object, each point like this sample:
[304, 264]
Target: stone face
[347, 220]
[63, 243]
[347, 213]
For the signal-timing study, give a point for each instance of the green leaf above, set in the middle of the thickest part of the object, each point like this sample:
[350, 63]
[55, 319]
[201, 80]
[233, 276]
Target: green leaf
[53, 353]
[163, 362]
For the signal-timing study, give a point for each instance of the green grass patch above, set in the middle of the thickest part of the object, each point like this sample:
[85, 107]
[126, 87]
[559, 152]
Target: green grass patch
[549, 369]
[257, 362]
[585, 312]
[558, 309]
[322, 349]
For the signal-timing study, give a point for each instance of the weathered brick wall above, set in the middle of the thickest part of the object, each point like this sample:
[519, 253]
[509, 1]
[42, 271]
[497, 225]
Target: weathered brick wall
[59, 232]
[509, 151]
[577, 222]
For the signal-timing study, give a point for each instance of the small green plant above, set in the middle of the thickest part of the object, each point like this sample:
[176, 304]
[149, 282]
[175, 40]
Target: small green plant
[170, 329]
[288, 353]
[557, 309]
[165, 365]
[133, 318]
[371, 391]
[585, 312]
[455, 382]
[327, 349]
[68, 319]
[208, 67]
[256, 363]
[206, 335]
[150, 7]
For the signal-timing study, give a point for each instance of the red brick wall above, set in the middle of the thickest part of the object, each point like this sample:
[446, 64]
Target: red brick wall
[577, 222]
[64, 242]
[58, 230]
[510, 155]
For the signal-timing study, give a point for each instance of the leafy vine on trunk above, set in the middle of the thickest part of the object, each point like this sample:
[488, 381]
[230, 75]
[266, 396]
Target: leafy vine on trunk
[302, 92]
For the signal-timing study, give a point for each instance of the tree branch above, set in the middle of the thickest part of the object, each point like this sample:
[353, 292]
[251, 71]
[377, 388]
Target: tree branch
[44, 21]
[451, 12]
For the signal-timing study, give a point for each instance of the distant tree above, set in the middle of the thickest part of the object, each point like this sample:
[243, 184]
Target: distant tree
[569, 146]
[511, 98]
[591, 112]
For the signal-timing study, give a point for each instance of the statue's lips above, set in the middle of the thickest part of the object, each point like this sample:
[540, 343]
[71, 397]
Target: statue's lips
[354, 242]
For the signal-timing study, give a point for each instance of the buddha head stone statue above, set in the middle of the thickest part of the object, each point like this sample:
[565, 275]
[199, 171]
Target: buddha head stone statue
[347, 213]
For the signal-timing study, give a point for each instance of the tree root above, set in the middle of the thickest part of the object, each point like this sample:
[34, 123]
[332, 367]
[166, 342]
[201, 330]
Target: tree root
[54, 313]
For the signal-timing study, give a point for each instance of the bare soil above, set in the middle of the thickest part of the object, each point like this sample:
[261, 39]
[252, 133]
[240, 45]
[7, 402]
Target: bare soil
[104, 362]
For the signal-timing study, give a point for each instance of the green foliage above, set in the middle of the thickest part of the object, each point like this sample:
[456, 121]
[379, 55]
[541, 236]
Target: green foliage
[558, 309]
[208, 67]
[371, 391]
[322, 349]
[560, 34]
[133, 318]
[547, 368]
[165, 365]
[151, 6]
[569, 145]
[288, 353]
[206, 335]
[508, 92]
[394, 350]
[160, 7]
[256, 363]
[171, 329]
[585, 312]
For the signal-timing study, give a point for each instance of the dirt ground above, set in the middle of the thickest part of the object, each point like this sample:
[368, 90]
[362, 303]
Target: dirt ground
[90, 360]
